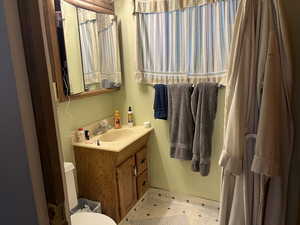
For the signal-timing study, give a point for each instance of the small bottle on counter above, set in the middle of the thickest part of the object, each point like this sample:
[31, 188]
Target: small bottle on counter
[80, 135]
[130, 117]
[87, 135]
[117, 120]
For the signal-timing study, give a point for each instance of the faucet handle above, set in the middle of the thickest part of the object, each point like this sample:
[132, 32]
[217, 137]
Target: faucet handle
[104, 124]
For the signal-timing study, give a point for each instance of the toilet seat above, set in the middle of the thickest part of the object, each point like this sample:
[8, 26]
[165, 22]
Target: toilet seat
[85, 218]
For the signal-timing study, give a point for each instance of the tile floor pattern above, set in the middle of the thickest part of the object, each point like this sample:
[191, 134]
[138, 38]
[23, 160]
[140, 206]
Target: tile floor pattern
[159, 207]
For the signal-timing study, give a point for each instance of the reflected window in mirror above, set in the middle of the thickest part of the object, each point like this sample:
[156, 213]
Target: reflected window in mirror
[89, 49]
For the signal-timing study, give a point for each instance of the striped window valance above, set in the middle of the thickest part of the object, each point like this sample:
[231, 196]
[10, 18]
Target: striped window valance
[190, 45]
[151, 6]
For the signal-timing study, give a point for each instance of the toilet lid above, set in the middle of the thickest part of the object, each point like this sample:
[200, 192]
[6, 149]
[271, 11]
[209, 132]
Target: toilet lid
[85, 218]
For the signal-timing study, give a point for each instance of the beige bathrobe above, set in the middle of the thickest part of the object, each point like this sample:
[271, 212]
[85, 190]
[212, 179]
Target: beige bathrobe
[258, 139]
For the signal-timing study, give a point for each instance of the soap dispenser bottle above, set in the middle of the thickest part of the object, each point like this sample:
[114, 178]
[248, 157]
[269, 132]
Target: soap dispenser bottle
[130, 117]
[117, 120]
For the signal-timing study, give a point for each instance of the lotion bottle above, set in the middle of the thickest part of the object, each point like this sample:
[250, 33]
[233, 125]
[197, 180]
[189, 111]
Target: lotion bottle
[130, 117]
[117, 120]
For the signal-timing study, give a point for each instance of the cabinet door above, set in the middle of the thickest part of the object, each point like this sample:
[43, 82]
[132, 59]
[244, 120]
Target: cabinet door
[127, 186]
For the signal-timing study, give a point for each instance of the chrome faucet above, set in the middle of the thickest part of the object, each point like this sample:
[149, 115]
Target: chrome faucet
[102, 128]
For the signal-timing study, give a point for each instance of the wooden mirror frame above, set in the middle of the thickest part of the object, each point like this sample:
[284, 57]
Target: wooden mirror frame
[99, 6]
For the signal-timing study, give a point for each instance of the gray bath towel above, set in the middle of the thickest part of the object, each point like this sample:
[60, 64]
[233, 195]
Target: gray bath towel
[181, 120]
[204, 106]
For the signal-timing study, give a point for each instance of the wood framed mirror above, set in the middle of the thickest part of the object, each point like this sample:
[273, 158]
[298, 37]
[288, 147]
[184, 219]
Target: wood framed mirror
[84, 47]
[98, 6]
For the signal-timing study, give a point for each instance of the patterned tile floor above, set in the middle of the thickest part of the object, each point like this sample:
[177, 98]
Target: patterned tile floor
[159, 207]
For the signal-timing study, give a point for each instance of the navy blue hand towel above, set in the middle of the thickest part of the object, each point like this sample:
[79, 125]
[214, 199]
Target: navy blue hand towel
[161, 102]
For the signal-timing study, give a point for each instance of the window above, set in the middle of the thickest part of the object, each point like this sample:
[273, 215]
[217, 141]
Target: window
[189, 45]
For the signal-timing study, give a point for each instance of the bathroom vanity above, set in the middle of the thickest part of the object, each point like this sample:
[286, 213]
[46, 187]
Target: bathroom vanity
[114, 173]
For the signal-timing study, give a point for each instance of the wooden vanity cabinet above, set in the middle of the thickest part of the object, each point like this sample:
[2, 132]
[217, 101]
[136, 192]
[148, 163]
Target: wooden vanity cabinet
[116, 179]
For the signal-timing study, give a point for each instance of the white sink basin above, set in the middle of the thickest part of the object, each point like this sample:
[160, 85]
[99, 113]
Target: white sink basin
[116, 135]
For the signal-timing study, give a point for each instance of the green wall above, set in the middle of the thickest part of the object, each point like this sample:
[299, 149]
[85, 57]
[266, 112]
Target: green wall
[166, 173]
[77, 113]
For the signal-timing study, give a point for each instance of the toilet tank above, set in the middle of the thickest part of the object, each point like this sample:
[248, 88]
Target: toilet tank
[71, 188]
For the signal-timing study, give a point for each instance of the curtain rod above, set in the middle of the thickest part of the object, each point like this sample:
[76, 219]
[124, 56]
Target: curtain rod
[193, 85]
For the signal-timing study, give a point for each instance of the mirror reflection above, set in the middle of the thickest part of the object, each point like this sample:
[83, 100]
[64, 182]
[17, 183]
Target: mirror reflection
[91, 60]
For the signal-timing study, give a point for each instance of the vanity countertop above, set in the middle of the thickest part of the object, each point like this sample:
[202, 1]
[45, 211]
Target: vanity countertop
[115, 140]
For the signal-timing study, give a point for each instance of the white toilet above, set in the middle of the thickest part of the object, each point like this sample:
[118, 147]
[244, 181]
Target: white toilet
[82, 218]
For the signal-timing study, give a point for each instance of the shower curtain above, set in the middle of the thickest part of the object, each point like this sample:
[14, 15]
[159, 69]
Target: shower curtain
[258, 139]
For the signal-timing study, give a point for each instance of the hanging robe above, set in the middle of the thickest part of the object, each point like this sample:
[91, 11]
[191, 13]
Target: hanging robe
[258, 139]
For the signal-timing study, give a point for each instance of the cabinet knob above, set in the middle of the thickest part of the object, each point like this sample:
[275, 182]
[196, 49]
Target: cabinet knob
[135, 171]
